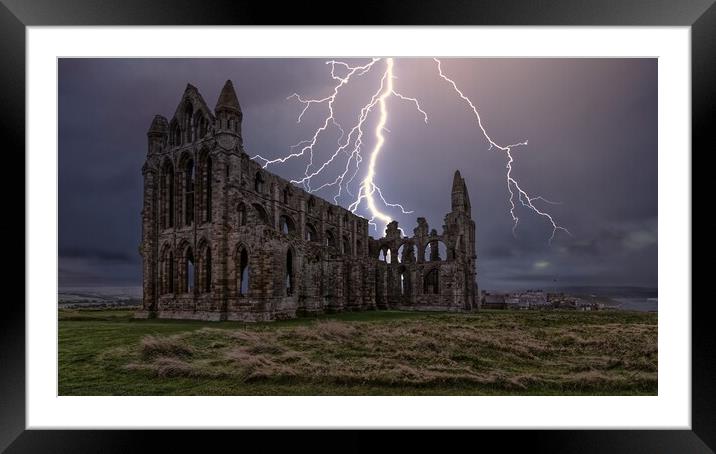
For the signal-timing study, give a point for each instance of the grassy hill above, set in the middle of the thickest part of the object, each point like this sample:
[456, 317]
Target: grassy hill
[106, 352]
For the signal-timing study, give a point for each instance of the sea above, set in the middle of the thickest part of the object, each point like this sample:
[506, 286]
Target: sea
[99, 296]
[637, 304]
[643, 299]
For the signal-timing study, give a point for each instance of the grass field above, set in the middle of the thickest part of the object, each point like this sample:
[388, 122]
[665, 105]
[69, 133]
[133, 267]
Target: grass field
[106, 352]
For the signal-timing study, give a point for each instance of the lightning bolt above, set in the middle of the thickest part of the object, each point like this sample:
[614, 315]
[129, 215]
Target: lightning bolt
[512, 185]
[350, 144]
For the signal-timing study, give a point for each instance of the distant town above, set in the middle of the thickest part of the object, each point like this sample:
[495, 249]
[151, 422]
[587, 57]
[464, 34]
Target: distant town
[540, 300]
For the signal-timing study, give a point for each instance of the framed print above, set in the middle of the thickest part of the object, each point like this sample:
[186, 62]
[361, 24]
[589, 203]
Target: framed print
[446, 217]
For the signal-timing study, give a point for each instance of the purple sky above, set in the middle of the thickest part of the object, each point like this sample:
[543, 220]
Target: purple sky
[591, 126]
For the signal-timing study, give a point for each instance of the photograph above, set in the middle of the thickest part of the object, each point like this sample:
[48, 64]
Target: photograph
[370, 221]
[343, 226]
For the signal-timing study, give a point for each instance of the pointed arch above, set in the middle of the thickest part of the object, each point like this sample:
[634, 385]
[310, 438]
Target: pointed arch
[242, 270]
[384, 254]
[174, 133]
[241, 214]
[286, 224]
[346, 246]
[188, 269]
[406, 253]
[201, 125]
[311, 233]
[287, 194]
[261, 214]
[405, 284]
[435, 251]
[259, 182]
[188, 113]
[166, 270]
[330, 239]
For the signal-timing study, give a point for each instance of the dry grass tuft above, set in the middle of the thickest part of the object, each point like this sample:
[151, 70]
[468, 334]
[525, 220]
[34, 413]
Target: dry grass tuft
[515, 353]
[154, 346]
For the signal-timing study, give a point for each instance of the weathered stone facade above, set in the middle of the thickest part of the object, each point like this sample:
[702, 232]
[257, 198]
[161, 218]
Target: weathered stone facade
[223, 239]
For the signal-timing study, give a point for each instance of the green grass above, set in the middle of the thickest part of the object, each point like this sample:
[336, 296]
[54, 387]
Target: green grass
[106, 352]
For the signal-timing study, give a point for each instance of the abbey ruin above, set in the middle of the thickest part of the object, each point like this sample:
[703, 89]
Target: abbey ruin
[223, 239]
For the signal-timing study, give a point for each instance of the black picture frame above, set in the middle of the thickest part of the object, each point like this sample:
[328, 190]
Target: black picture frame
[16, 15]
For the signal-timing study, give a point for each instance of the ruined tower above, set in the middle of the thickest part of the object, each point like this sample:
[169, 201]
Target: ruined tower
[223, 239]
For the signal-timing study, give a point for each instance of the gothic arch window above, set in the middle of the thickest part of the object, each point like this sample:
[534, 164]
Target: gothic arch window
[329, 214]
[404, 282]
[259, 183]
[174, 133]
[189, 272]
[330, 239]
[359, 247]
[243, 272]
[261, 214]
[188, 123]
[189, 192]
[289, 272]
[311, 204]
[405, 253]
[435, 251]
[287, 195]
[202, 126]
[431, 282]
[167, 195]
[311, 234]
[346, 246]
[286, 225]
[241, 214]
[166, 270]
[384, 254]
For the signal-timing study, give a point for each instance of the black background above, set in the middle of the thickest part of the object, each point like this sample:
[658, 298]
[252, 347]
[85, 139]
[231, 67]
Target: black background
[15, 15]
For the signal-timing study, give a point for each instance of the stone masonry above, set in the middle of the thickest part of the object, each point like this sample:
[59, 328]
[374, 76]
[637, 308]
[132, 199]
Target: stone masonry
[223, 239]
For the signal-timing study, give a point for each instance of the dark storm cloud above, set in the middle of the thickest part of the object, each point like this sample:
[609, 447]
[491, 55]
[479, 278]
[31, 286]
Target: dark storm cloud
[591, 125]
[616, 239]
[96, 254]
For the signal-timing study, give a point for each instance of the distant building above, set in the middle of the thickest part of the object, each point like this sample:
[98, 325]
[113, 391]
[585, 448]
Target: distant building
[493, 301]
